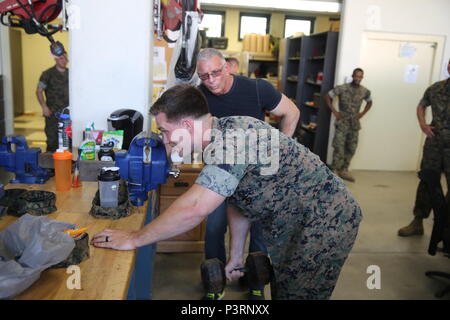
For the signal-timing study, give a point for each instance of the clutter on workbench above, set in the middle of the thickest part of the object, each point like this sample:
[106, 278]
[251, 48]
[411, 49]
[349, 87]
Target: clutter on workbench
[34, 202]
[76, 183]
[24, 161]
[113, 137]
[80, 252]
[108, 186]
[87, 147]
[63, 169]
[28, 246]
[9, 197]
[128, 120]
[106, 152]
[120, 211]
[144, 171]
[64, 130]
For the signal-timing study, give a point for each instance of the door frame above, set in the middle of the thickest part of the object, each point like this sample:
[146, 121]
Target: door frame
[5, 61]
[435, 64]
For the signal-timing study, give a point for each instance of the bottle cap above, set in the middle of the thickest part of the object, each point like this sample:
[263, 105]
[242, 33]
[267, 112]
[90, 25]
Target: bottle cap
[107, 174]
[61, 154]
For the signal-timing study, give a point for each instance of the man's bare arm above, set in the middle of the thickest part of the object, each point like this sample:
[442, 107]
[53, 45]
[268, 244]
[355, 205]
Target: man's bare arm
[239, 227]
[329, 103]
[184, 214]
[289, 114]
[366, 109]
[427, 129]
[45, 109]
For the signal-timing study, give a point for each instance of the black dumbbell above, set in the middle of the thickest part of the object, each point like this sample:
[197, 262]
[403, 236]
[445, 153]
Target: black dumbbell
[258, 270]
[213, 275]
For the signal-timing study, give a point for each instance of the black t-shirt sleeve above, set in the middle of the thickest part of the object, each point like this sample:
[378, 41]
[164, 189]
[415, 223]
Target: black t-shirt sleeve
[268, 97]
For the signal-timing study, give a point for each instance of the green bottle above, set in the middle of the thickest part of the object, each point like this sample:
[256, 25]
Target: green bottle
[88, 146]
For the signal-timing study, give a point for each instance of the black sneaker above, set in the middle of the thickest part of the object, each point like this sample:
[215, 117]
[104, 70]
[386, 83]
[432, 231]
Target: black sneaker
[256, 295]
[214, 296]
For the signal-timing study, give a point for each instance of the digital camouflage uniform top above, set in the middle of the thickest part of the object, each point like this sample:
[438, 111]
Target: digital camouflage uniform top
[345, 139]
[438, 97]
[436, 150]
[309, 217]
[350, 100]
[56, 87]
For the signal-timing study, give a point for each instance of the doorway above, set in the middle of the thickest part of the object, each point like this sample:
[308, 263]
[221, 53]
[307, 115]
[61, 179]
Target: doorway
[397, 70]
[30, 56]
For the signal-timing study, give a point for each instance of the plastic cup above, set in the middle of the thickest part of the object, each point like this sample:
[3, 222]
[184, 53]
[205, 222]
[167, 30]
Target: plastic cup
[108, 185]
[62, 160]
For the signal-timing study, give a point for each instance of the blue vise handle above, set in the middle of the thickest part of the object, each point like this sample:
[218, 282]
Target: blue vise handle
[24, 162]
[144, 166]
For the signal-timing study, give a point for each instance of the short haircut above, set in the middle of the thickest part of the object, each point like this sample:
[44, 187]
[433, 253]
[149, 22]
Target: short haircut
[208, 53]
[356, 70]
[179, 102]
[232, 59]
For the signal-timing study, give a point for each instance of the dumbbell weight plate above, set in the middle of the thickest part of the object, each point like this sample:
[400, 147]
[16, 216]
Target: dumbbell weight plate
[213, 275]
[259, 269]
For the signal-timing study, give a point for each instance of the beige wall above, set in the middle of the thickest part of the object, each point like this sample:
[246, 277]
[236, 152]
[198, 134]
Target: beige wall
[276, 24]
[362, 16]
[35, 59]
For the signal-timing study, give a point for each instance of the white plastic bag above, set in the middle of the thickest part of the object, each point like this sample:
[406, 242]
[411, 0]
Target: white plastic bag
[29, 246]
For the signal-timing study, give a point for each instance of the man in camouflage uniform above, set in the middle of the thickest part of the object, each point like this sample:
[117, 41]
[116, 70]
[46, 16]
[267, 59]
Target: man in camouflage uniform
[309, 217]
[347, 124]
[55, 83]
[436, 151]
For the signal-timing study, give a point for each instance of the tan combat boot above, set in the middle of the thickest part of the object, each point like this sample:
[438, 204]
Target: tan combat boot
[414, 228]
[346, 175]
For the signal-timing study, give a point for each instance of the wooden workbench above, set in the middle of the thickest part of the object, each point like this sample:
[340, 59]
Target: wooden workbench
[107, 274]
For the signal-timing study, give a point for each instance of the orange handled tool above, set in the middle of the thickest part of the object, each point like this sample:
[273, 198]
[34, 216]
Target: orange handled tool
[75, 233]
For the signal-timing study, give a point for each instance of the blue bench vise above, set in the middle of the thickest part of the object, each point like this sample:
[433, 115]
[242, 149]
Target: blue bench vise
[144, 167]
[24, 162]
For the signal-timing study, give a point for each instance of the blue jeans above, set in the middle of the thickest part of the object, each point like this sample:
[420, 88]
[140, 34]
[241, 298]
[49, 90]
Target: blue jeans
[216, 227]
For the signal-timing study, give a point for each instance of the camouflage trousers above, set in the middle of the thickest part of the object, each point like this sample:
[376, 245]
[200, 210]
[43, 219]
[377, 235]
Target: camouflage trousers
[51, 132]
[436, 156]
[344, 143]
[307, 254]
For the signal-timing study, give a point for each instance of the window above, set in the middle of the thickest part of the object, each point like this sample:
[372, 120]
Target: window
[253, 23]
[214, 23]
[294, 24]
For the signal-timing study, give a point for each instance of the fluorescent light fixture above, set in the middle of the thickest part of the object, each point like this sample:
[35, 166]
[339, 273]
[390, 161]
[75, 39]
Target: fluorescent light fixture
[295, 5]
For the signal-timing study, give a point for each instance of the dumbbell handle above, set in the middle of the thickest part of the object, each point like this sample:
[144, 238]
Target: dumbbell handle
[242, 269]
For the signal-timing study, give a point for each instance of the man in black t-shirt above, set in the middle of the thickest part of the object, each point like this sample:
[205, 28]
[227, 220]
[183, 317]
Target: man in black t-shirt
[233, 95]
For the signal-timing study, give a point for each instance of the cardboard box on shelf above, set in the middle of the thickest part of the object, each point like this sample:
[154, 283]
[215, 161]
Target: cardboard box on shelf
[335, 25]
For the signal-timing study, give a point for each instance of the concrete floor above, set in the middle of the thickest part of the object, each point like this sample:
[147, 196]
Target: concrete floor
[387, 199]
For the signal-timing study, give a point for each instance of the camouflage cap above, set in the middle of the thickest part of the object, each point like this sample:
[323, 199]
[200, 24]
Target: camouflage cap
[78, 254]
[114, 213]
[34, 202]
[9, 198]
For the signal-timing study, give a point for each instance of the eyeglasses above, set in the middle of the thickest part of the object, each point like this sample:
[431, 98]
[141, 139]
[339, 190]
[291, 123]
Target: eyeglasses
[214, 74]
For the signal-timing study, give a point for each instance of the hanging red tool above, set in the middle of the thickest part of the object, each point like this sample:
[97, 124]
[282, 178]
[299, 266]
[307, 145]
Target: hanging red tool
[33, 16]
[169, 15]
